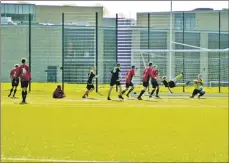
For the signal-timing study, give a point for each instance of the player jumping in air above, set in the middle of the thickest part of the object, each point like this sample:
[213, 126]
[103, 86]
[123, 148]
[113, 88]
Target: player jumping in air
[154, 82]
[24, 73]
[129, 75]
[14, 80]
[58, 93]
[173, 83]
[115, 80]
[199, 82]
[146, 76]
[90, 87]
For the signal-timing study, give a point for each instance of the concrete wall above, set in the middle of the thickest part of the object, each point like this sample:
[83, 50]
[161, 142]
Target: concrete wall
[204, 20]
[53, 14]
[14, 46]
[157, 21]
[46, 50]
[210, 21]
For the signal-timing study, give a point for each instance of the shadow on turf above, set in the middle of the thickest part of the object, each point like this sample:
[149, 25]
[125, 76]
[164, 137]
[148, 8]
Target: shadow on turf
[92, 99]
[117, 100]
[14, 97]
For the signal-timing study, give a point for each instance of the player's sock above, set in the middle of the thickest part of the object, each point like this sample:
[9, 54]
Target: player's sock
[152, 92]
[14, 92]
[142, 92]
[10, 92]
[130, 91]
[157, 91]
[123, 92]
[23, 96]
[179, 76]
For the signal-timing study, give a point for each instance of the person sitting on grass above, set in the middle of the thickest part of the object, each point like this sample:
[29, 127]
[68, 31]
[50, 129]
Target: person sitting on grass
[173, 83]
[199, 82]
[58, 93]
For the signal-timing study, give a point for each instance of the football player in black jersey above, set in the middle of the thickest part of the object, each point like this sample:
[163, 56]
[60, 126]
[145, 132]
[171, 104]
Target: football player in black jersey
[115, 80]
[90, 87]
[173, 83]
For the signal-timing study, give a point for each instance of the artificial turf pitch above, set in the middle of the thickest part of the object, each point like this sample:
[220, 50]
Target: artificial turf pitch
[173, 128]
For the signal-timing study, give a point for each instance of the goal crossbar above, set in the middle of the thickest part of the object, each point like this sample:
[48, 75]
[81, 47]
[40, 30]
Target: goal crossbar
[179, 50]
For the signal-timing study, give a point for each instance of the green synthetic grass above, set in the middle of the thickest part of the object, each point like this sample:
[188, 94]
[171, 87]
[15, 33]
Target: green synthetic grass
[174, 128]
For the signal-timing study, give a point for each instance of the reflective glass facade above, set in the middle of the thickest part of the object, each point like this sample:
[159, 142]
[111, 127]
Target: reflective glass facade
[18, 12]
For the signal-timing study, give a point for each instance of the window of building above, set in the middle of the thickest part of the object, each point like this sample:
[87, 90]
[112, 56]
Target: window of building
[189, 21]
[20, 9]
[18, 12]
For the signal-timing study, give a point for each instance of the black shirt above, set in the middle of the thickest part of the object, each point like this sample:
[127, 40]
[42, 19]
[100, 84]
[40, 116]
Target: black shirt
[115, 74]
[91, 75]
[170, 83]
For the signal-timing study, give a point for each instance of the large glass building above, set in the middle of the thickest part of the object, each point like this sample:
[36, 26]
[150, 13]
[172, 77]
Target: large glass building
[18, 12]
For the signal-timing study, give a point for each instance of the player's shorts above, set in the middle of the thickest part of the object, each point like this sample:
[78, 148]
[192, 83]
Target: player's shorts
[15, 82]
[115, 83]
[172, 84]
[129, 85]
[145, 84]
[90, 86]
[154, 83]
[24, 84]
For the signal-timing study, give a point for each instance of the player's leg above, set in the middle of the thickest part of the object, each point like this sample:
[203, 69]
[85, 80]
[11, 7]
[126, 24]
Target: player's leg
[120, 89]
[131, 89]
[11, 90]
[201, 93]
[180, 84]
[109, 92]
[24, 86]
[91, 89]
[154, 86]
[87, 91]
[194, 93]
[145, 85]
[15, 88]
[177, 77]
[126, 89]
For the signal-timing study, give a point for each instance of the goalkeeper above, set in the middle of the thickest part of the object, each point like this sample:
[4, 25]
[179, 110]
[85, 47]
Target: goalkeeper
[173, 83]
[90, 87]
[199, 82]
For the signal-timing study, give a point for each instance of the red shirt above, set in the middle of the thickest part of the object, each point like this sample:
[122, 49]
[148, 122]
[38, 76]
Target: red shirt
[155, 74]
[147, 74]
[13, 73]
[24, 73]
[58, 93]
[129, 75]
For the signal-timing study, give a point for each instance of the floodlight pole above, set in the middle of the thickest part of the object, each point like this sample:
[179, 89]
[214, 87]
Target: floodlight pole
[170, 43]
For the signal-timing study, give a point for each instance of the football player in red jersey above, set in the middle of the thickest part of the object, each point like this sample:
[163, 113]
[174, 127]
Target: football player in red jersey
[154, 82]
[146, 76]
[24, 73]
[14, 80]
[58, 92]
[129, 75]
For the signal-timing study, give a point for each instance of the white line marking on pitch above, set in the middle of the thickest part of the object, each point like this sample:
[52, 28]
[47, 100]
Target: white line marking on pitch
[46, 160]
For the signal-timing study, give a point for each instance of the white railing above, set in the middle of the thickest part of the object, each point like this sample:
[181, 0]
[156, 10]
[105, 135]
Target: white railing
[216, 82]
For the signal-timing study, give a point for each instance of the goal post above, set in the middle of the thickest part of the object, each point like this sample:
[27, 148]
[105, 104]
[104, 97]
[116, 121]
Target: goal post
[192, 61]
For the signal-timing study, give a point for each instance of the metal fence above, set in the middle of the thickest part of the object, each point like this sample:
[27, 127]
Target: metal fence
[65, 52]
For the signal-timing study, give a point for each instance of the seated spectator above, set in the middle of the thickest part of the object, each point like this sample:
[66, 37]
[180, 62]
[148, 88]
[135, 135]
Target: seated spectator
[58, 93]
